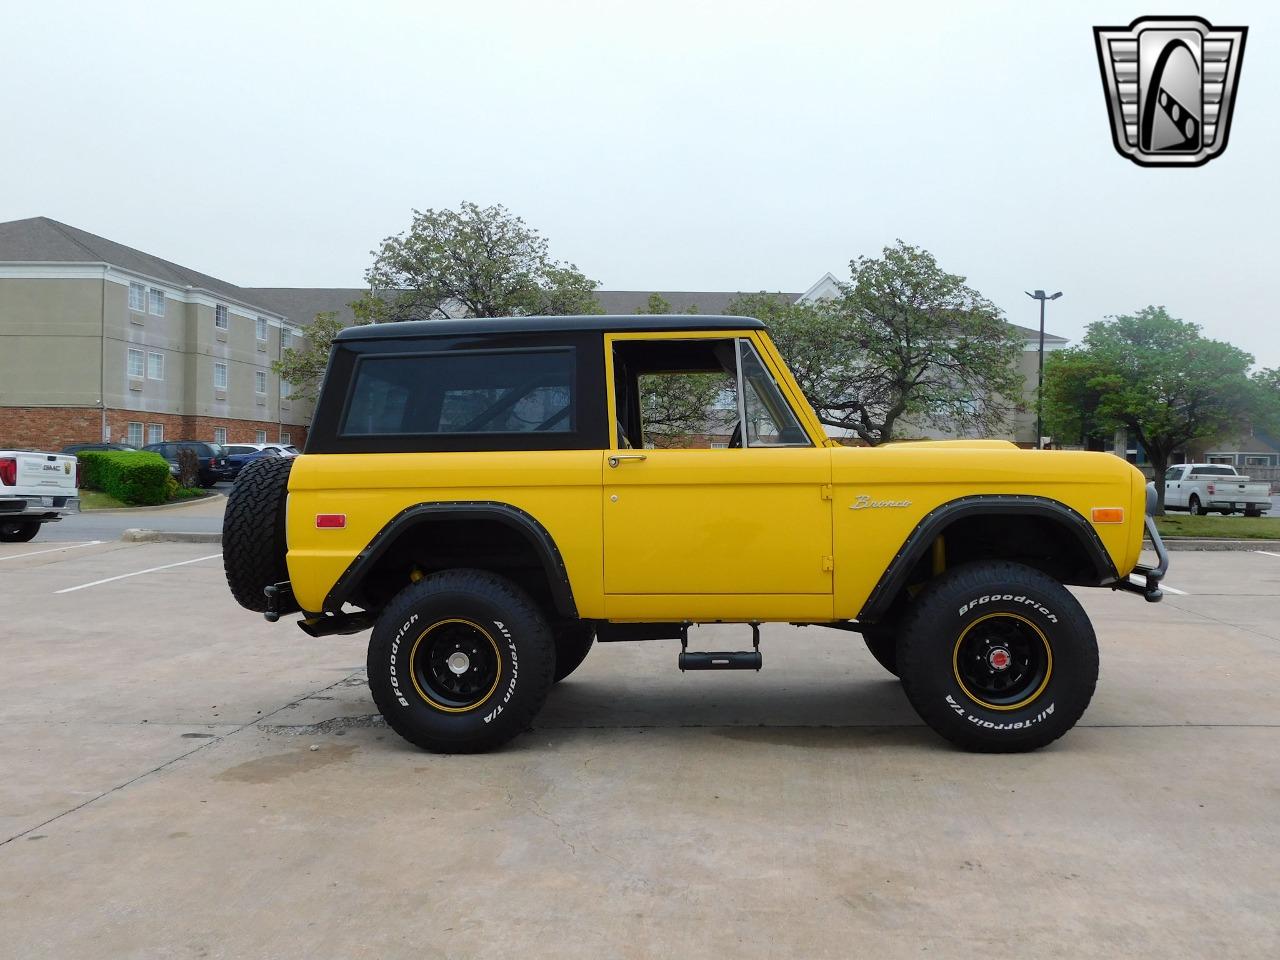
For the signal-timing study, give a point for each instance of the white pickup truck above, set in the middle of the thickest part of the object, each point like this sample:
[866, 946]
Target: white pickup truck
[1201, 488]
[35, 488]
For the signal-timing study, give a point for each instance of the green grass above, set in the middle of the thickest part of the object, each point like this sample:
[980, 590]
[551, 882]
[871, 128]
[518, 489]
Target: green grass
[1223, 528]
[97, 500]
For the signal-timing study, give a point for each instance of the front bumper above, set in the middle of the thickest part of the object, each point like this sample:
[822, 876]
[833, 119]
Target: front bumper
[44, 509]
[1150, 576]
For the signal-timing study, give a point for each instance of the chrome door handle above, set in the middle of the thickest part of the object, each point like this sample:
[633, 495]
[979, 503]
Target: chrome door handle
[617, 458]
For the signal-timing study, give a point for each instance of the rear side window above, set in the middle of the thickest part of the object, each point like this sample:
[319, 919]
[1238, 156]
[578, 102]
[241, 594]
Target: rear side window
[462, 392]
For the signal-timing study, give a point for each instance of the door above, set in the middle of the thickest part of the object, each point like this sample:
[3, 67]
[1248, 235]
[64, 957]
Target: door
[738, 531]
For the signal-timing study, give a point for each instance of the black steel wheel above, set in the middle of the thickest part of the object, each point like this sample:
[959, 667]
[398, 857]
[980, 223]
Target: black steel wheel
[1002, 660]
[455, 664]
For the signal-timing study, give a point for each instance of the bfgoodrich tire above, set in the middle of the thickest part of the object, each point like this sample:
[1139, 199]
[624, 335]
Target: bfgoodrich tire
[253, 535]
[460, 662]
[998, 657]
[573, 641]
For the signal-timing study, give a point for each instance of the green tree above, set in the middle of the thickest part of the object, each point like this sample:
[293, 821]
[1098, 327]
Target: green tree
[675, 407]
[1154, 375]
[1266, 401]
[905, 342]
[474, 261]
[303, 367]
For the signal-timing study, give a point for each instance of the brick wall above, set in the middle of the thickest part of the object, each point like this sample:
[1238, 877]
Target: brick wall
[52, 428]
[48, 428]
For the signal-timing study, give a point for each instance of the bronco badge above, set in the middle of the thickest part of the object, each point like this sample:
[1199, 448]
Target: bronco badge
[1170, 84]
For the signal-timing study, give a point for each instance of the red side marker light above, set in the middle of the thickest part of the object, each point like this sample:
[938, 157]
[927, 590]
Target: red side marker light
[331, 521]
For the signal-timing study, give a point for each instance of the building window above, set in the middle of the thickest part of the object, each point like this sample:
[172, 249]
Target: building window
[220, 435]
[260, 381]
[155, 433]
[286, 389]
[157, 302]
[260, 436]
[137, 297]
[135, 434]
[155, 366]
[220, 317]
[284, 438]
[137, 369]
[262, 328]
[220, 376]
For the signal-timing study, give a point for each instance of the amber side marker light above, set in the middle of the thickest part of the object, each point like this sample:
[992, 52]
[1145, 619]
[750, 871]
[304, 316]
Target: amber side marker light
[331, 521]
[1108, 514]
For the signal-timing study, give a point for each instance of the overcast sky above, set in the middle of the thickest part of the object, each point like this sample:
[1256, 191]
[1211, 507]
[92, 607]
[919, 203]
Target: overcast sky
[658, 146]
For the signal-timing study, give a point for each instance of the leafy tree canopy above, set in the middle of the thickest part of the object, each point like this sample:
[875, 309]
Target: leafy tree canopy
[303, 367]
[474, 261]
[904, 343]
[1157, 377]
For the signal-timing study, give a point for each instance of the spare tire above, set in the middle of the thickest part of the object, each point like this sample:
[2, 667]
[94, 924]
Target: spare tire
[253, 535]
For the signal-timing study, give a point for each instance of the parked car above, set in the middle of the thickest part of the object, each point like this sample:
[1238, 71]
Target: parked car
[240, 454]
[484, 496]
[82, 447]
[35, 488]
[1201, 488]
[213, 459]
[283, 449]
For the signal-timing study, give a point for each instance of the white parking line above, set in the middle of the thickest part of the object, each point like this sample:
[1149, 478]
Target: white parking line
[1164, 586]
[1267, 553]
[138, 573]
[36, 553]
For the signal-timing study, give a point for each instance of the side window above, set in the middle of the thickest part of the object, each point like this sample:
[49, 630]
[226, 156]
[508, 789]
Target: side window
[1172, 474]
[675, 394]
[769, 419]
[477, 392]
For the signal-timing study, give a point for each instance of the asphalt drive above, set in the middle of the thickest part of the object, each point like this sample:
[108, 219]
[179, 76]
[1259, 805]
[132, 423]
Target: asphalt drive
[186, 780]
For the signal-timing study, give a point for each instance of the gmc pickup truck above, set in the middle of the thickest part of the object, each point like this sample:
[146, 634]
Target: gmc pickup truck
[1201, 488]
[35, 488]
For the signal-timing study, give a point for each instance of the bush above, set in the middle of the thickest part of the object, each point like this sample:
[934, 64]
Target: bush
[133, 477]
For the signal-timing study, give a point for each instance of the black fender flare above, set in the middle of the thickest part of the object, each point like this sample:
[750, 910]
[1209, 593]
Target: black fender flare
[423, 513]
[937, 520]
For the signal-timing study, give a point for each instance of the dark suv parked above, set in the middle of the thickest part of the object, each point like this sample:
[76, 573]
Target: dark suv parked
[213, 459]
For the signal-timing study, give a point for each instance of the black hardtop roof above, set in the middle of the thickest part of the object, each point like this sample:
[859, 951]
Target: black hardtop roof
[660, 322]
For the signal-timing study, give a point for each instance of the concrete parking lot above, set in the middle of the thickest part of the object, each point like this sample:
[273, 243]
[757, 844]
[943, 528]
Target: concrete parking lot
[182, 779]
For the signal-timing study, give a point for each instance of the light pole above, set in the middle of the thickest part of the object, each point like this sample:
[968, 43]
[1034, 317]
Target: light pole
[1042, 297]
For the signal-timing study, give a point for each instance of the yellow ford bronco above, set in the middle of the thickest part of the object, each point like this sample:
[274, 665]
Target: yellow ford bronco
[487, 496]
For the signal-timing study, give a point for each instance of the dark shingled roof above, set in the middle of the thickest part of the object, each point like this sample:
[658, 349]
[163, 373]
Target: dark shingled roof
[40, 239]
[301, 304]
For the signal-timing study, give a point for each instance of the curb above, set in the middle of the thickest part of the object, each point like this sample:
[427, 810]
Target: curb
[189, 502]
[1203, 543]
[136, 535]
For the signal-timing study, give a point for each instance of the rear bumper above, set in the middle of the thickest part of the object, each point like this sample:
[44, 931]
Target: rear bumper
[44, 509]
[1262, 506]
[1149, 588]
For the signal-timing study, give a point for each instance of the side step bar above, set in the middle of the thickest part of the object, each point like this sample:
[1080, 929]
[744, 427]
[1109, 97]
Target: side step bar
[728, 660]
